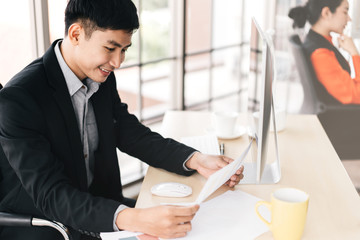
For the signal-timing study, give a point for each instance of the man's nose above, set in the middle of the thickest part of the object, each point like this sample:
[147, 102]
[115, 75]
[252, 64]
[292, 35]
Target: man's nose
[116, 60]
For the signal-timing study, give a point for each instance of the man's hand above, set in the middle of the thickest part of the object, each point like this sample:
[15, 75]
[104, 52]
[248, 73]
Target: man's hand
[159, 221]
[208, 164]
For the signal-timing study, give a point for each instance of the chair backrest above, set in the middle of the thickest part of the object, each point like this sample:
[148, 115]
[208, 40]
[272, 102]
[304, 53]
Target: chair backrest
[311, 103]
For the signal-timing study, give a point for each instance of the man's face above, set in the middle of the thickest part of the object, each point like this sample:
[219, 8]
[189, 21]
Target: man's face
[101, 54]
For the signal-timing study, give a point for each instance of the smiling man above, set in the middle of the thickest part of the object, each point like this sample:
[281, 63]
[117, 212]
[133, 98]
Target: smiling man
[61, 120]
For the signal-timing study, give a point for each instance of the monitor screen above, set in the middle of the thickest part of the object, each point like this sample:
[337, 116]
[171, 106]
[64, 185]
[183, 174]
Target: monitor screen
[260, 108]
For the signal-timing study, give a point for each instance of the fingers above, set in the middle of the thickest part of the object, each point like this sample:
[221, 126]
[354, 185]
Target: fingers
[224, 161]
[227, 159]
[181, 221]
[180, 231]
[235, 179]
[180, 211]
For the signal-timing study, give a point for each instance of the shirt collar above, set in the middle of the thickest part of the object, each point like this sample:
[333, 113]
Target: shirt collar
[72, 81]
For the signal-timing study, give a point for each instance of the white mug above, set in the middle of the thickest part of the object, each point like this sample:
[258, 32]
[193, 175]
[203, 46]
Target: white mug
[225, 123]
[280, 117]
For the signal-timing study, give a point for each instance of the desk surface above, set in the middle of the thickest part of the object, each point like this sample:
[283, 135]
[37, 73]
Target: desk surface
[308, 162]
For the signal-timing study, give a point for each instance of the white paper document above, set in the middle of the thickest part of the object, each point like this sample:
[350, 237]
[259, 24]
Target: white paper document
[220, 177]
[207, 144]
[216, 180]
[118, 235]
[228, 216]
[125, 235]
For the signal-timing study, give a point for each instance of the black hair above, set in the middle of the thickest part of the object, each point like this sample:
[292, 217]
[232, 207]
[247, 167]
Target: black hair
[102, 14]
[311, 11]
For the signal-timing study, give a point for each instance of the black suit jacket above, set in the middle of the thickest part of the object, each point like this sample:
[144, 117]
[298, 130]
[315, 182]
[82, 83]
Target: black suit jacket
[44, 171]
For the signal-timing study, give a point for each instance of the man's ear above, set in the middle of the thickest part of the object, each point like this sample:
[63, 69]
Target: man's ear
[74, 32]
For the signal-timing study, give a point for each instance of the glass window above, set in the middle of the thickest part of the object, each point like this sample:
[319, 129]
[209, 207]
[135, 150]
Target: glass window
[128, 85]
[155, 29]
[198, 25]
[156, 89]
[16, 40]
[226, 71]
[197, 84]
[56, 19]
[227, 22]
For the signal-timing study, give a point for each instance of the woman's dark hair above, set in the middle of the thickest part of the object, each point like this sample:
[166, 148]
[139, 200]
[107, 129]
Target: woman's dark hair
[102, 14]
[311, 11]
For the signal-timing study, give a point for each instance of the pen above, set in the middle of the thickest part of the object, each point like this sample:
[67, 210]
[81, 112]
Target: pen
[222, 149]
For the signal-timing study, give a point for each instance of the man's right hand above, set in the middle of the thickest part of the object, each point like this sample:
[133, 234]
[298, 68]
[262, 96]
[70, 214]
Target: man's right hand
[159, 221]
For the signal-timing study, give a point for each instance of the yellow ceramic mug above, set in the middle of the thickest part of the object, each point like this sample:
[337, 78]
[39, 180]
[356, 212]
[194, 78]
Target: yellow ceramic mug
[288, 209]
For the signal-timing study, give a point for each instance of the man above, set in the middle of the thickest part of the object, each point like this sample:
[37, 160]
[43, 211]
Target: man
[61, 120]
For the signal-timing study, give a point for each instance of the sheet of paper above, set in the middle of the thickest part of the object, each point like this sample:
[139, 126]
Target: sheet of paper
[125, 235]
[207, 144]
[228, 216]
[218, 178]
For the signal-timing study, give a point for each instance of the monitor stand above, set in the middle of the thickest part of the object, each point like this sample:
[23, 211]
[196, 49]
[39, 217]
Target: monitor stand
[271, 171]
[270, 175]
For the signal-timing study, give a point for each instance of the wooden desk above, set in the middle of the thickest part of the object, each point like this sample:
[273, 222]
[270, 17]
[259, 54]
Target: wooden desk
[308, 162]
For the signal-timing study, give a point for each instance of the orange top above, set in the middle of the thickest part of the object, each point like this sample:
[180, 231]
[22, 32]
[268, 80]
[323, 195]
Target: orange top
[335, 79]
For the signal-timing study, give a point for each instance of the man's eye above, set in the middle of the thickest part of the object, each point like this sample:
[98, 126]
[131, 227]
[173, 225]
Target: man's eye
[124, 50]
[110, 49]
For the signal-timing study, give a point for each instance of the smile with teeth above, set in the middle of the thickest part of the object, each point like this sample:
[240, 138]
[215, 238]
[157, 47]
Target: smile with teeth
[104, 70]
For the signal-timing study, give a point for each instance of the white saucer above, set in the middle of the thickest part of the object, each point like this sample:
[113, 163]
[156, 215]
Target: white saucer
[239, 131]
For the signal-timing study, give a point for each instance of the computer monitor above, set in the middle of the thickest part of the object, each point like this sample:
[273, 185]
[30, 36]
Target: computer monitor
[265, 165]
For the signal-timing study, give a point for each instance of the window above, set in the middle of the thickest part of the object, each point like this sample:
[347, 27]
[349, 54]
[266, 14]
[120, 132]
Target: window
[56, 19]
[213, 55]
[16, 39]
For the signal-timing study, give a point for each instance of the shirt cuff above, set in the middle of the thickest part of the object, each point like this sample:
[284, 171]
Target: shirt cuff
[118, 210]
[184, 166]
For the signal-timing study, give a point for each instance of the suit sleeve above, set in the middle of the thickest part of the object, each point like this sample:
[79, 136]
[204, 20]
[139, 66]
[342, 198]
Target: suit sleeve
[22, 136]
[139, 141]
[335, 79]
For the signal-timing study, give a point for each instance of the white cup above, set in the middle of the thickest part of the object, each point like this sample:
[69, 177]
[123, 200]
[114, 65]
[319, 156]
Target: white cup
[225, 123]
[280, 117]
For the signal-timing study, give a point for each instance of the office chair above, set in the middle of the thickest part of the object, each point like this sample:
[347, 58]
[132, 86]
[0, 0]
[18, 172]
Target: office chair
[341, 122]
[17, 220]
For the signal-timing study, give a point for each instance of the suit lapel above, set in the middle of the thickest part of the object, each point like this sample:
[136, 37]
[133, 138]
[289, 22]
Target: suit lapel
[62, 97]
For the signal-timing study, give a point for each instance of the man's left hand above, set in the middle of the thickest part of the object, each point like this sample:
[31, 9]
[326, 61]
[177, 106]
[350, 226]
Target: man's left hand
[208, 164]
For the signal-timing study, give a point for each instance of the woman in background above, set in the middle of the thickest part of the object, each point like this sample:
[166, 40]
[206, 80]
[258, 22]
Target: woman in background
[331, 68]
